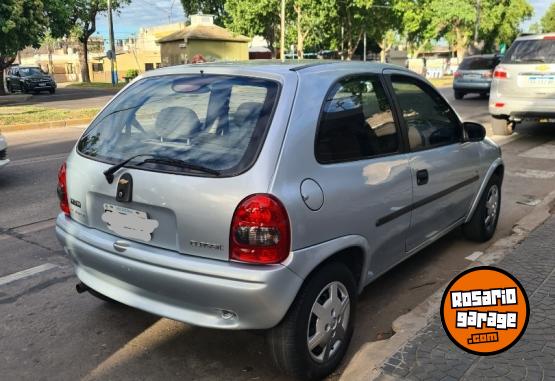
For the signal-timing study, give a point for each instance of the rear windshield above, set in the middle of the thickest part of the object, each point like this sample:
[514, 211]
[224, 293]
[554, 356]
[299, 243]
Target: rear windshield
[213, 121]
[479, 63]
[531, 51]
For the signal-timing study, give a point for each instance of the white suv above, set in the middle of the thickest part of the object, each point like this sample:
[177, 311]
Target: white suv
[523, 86]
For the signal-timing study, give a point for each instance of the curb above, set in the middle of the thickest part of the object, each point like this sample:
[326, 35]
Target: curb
[367, 362]
[41, 125]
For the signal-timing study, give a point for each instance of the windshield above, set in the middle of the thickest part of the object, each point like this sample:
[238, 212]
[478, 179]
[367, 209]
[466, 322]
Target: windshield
[531, 51]
[479, 63]
[27, 71]
[212, 121]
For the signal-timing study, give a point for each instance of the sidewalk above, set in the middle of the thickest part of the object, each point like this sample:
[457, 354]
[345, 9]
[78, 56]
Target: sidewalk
[430, 355]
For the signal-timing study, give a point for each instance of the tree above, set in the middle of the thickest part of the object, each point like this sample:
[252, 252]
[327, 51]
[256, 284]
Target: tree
[210, 7]
[254, 18]
[83, 18]
[25, 23]
[499, 21]
[548, 20]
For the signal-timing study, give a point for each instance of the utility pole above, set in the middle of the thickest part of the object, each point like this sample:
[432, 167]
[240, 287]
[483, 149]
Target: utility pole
[364, 47]
[113, 68]
[282, 33]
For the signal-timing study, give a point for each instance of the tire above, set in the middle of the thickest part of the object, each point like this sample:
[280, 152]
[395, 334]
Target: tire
[484, 221]
[459, 94]
[288, 342]
[501, 126]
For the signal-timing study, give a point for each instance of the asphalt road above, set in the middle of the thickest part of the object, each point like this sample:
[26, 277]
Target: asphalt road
[69, 97]
[48, 331]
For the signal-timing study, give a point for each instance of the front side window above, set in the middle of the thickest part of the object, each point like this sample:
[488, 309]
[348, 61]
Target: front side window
[356, 123]
[429, 119]
[212, 121]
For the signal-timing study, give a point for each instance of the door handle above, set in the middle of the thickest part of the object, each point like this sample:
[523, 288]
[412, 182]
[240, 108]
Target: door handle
[422, 177]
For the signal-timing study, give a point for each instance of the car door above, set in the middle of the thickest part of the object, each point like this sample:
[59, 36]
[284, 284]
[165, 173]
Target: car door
[364, 169]
[444, 165]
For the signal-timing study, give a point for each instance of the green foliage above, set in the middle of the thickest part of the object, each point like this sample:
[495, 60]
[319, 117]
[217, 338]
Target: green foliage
[254, 18]
[548, 20]
[22, 23]
[209, 7]
[132, 73]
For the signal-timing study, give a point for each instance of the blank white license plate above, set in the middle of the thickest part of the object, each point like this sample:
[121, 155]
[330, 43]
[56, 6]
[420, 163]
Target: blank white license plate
[42, 84]
[129, 223]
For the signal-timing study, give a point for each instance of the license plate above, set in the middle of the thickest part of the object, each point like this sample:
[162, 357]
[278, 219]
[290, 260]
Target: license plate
[472, 76]
[129, 223]
[541, 80]
[42, 84]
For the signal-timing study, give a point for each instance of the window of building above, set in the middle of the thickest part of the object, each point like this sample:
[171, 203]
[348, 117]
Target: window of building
[149, 66]
[357, 122]
[98, 66]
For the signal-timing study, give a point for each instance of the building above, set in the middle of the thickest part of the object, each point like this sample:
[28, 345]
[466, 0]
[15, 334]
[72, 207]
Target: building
[203, 37]
[140, 53]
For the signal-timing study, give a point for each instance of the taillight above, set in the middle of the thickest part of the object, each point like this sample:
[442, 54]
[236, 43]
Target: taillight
[62, 190]
[500, 73]
[260, 231]
[487, 74]
[457, 74]
[549, 37]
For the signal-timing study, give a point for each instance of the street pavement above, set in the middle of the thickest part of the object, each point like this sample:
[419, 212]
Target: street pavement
[48, 331]
[68, 97]
[431, 355]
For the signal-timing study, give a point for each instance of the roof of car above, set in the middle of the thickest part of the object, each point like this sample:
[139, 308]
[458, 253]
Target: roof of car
[531, 36]
[278, 67]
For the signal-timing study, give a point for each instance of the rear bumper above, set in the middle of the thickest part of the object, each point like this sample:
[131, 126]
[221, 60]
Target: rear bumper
[472, 86]
[523, 108]
[189, 289]
[3, 163]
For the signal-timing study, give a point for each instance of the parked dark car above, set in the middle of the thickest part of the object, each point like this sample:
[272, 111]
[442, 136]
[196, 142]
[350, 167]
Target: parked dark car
[474, 75]
[29, 79]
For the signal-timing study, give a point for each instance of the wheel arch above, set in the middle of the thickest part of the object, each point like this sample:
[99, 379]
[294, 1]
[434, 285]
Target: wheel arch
[496, 168]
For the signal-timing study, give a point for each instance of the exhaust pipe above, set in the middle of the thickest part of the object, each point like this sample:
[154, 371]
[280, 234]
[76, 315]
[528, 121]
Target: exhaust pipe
[81, 287]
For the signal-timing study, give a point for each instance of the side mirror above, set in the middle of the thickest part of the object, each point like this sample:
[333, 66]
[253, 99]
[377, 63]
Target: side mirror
[475, 131]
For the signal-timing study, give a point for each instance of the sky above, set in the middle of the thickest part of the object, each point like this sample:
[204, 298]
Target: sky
[141, 13]
[155, 12]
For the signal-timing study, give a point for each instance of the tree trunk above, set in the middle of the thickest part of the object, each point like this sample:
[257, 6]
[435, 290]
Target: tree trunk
[85, 61]
[2, 85]
[300, 36]
[5, 62]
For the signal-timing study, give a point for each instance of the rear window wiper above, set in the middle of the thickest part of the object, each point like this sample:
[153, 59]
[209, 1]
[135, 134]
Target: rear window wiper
[109, 173]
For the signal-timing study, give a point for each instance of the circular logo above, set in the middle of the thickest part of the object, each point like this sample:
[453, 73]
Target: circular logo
[485, 310]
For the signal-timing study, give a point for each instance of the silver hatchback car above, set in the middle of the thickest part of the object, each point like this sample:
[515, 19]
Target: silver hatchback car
[268, 196]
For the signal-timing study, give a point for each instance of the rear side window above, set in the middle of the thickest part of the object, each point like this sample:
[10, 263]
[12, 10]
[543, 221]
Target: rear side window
[214, 121]
[479, 63]
[356, 123]
[429, 119]
[531, 51]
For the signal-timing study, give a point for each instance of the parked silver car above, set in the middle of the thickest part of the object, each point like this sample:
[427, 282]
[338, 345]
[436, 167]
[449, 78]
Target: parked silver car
[474, 75]
[3, 152]
[269, 196]
[523, 86]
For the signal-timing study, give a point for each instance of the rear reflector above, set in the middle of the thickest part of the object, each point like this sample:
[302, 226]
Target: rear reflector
[259, 231]
[549, 37]
[499, 104]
